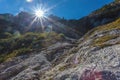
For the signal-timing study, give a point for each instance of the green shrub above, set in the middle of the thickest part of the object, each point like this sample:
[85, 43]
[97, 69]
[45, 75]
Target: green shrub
[6, 45]
[62, 35]
[8, 35]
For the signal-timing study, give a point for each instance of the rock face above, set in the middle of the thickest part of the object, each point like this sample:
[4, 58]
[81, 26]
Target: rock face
[30, 67]
[96, 56]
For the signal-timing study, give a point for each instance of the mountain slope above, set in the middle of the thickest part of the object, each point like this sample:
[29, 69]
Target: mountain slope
[96, 54]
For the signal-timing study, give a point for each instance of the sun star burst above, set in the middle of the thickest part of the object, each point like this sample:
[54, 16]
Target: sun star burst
[39, 13]
[29, 0]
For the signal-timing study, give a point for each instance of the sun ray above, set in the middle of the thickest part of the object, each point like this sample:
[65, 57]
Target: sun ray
[55, 22]
[42, 25]
[33, 21]
[40, 14]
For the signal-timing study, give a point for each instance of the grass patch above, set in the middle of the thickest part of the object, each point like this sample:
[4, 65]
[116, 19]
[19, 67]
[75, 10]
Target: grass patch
[100, 42]
[108, 27]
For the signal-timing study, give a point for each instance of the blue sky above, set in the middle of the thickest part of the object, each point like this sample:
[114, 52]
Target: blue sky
[69, 9]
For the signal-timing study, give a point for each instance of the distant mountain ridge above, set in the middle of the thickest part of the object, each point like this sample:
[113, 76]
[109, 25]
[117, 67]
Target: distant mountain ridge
[23, 23]
[104, 15]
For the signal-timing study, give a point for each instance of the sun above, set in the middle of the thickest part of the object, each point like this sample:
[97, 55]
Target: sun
[39, 13]
[29, 0]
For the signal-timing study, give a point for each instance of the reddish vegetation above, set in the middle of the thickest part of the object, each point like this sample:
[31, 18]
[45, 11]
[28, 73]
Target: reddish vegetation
[97, 75]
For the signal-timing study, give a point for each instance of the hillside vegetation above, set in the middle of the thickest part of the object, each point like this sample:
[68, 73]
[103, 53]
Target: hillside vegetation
[16, 45]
